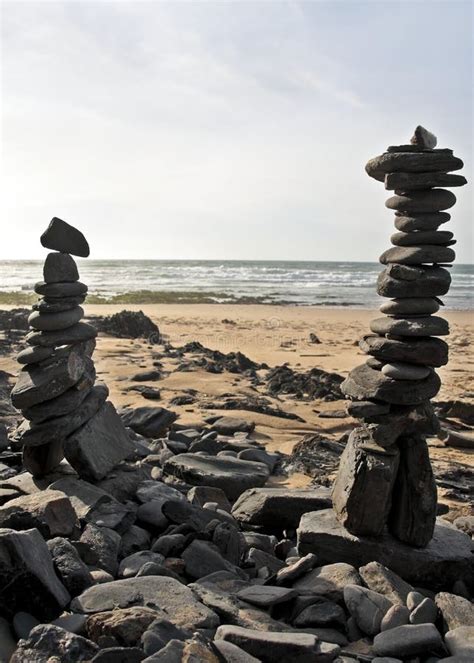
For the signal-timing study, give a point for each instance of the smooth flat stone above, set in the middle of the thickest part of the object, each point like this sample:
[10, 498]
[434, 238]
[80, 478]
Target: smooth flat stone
[424, 351]
[404, 272]
[364, 409]
[60, 267]
[446, 558]
[233, 475]
[34, 355]
[408, 640]
[38, 383]
[60, 427]
[434, 282]
[431, 325]
[99, 445]
[58, 304]
[416, 255]
[364, 383]
[401, 371]
[55, 321]
[412, 181]
[78, 333]
[431, 200]
[266, 595]
[413, 222]
[460, 641]
[411, 162]
[410, 306]
[443, 237]
[61, 236]
[423, 138]
[263, 506]
[64, 289]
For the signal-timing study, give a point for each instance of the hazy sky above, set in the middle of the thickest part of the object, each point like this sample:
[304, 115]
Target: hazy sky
[224, 129]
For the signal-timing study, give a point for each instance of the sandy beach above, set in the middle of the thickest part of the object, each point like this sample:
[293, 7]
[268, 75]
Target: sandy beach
[274, 335]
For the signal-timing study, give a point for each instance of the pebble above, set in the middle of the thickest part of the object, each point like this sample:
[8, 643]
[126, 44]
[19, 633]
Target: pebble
[367, 607]
[460, 641]
[60, 290]
[34, 355]
[433, 200]
[431, 325]
[414, 599]
[420, 221]
[401, 371]
[406, 162]
[408, 640]
[265, 596]
[425, 612]
[58, 304]
[60, 267]
[79, 332]
[397, 615]
[55, 321]
[443, 237]
[61, 236]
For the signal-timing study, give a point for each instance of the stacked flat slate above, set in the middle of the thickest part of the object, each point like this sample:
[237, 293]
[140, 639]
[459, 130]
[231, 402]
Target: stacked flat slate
[66, 414]
[385, 476]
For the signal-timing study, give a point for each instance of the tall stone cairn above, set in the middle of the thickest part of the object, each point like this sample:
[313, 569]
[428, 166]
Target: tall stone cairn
[385, 476]
[66, 413]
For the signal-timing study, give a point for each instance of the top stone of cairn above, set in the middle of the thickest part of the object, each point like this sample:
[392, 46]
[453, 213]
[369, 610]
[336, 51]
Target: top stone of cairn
[423, 138]
[60, 236]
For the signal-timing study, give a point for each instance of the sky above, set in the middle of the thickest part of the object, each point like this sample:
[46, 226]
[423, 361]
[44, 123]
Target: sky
[224, 130]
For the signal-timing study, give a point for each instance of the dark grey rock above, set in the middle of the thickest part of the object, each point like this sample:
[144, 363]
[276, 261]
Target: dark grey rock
[232, 475]
[404, 272]
[362, 491]
[447, 556]
[292, 572]
[416, 255]
[268, 506]
[61, 427]
[423, 138]
[407, 162]
[55, 321]
[203, 558]
[58, 304]
[231, 425]
[60, 290]
[367, 607]
[34, 355]
[49, 511]
[365, 383]
[404, 371]
[102, 545]
[129, 566]
[148, 421]
[434, 283]
[157, 490]
[170, 545]
[181, 512]
[70, 568]
[8, 642]
[397, 615]
[230, 542]
[363, 409]
[262, 560]
[410, 306]
[23, 623]
[233, 654]
[423, 351]
[422, 202]
[329, 581]
[159, 633]
[410, 223]
[61, 236]
[42, 460]
[434, 237]
[424, 613]
[60, 267]
[413, 181]
[47, 642]
[264, 596]
[408, 640]
[39, 383]
[99, 445]
[200, 495]
[413, 515]
[78, 333]
[133, 540]
[270, 647]
[182, 606]
[27, 577]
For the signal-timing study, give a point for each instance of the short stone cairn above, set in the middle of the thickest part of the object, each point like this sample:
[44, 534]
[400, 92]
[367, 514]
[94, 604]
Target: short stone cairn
[385, 476]
[66, 413]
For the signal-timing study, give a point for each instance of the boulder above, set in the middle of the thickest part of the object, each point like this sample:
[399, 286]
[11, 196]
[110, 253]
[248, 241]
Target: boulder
[27, 576]
[233, 475]
[148, 421]
[414, 222]
[50, 511]
[446, 558]
[122, 626]
[78, 333]
[48, 643]
[281, 507]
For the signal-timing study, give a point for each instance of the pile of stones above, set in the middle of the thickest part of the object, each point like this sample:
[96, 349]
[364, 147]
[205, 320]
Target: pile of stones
[385, 477]
[66, 413]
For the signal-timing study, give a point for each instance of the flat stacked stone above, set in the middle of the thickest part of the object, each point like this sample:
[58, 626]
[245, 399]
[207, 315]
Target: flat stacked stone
[66, 414]
[385, 477]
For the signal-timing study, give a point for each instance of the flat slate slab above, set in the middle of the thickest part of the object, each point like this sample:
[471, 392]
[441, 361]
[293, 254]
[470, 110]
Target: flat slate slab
[233, 475]
[98, 446]
[180, 603]
[446, 558]
[266, 506]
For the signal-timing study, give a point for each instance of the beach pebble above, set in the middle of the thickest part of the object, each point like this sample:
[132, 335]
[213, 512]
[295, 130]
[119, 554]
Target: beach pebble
[425, 612]
[75, 334]
[60, 290]
[61, 236]
[431, 325]
[423, 138]
[416, 255]
[401, 371]
[55, 321]
[410, 306]
[434, 282]
[460, 641]
[443, 237]
[265, 596]
[421, 222]
[34, 355]
[408, 640]
[23, 623]
[423, 202]
[397, 615]
[414, 599]
[367, 607]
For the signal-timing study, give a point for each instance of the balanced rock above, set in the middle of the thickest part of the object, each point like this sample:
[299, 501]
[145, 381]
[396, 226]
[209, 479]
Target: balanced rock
[407, 162]
[60, 236]
[422, 202]
[412, 181]
[410, 306]
[413, 223]
[418, 326]
[433, 282]
[443, 237]
[416, 255]
[424, 351]
[55, 321]
[59, 267]
[77, 333]
[423, 138]
[401, 371]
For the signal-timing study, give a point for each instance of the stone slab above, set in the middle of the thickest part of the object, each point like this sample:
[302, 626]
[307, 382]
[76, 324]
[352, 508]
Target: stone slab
[445, 559]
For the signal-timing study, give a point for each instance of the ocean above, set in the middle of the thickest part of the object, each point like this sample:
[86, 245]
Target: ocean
[349, 284]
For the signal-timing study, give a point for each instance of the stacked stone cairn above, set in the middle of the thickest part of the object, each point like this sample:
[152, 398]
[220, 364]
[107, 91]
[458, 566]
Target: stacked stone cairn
[385, 476]
[66, 414]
